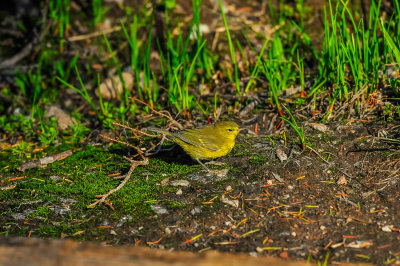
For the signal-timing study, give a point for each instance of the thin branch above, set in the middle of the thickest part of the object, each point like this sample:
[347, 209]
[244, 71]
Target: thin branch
[134, 164]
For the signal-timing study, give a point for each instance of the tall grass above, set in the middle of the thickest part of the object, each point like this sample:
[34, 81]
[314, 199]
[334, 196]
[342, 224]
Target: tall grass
[278, 70]
[231, 49]
[59, 12]
[353, 53]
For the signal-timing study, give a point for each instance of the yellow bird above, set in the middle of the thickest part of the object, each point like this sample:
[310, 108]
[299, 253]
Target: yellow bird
[205, 143]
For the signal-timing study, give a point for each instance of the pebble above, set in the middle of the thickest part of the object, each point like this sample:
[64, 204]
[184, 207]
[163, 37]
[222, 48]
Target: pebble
[182, 183]
[196, 210]
[124, 220]
[233, 203]
[55, 178]
[387, 228]
[159, 209]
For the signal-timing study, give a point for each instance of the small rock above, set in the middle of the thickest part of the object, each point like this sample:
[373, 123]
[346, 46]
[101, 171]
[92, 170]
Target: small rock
[277, 177]
[182, 183]
[164, 182]
[292, 90]
[23, 215]
[124, 220]
[18, 216]
[67, 200]
[179, 192]
[319, 127]
[226, 200]
[228, 188]
[207, 177]
[203, 29]
[159, 209]
[196, 210]
[55, 178]
[62, 210]
[63, 119]
[112, 232]
[111, 88]
[286, 196]
[221, 174]
[261, 146]
[281, 154]
[168, 231]
[342, 180]
[387, 228]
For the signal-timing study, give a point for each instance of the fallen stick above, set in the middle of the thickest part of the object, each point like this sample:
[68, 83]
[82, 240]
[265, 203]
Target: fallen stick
[44, 161]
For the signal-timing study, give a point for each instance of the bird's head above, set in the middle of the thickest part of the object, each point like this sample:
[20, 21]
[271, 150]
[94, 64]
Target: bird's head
[228, 129]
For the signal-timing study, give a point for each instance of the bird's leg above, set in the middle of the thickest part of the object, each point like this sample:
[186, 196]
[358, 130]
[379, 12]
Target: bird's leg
[204, 166]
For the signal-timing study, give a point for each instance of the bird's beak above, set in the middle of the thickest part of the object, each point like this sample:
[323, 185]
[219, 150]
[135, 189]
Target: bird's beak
[241, 129]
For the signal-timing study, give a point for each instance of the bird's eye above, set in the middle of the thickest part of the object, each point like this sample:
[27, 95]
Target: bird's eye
[230, 129]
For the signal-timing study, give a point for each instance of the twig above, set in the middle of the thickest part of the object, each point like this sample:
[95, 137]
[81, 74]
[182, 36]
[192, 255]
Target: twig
[250, 107]
[351, 102]
[11, 62]
[148, 151]
[319, 155]
[133, 130]
[45, 161]
[165, 114]
[134, 164]
[94, 34]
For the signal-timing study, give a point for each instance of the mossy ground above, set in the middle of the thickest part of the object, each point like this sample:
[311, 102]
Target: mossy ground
[73, 183]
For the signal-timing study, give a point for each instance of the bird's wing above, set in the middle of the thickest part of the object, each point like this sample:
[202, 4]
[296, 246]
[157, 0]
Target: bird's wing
[197, 139]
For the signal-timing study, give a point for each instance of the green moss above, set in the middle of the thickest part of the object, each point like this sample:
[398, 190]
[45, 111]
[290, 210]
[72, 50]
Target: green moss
[56, 231]
[41, 211]
[239, 150]
[175, 205]
[258, 159]
[74, 182]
